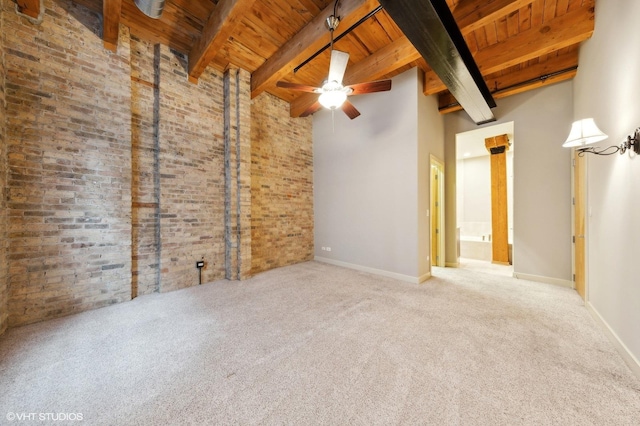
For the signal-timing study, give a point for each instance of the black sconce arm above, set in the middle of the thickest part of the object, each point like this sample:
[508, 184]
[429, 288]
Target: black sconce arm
[632, 143]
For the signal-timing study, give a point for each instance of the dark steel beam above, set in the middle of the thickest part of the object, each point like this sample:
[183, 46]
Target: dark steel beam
[433, 31]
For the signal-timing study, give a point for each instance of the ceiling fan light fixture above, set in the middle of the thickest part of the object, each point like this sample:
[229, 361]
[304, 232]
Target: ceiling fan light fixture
[332, 99]
[333, 94]
[332, 22]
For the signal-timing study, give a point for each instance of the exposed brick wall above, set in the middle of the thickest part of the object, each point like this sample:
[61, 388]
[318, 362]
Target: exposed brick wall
[191, 164]
[68, 127]
[113, 166]
[281, 185]
[4, 265]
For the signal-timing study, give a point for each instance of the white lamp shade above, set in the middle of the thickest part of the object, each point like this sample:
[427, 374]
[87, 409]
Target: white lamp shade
[584, 132]
[332, 99]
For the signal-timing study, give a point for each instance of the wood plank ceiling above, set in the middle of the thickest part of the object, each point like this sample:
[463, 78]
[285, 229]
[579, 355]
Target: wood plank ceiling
[518, 45]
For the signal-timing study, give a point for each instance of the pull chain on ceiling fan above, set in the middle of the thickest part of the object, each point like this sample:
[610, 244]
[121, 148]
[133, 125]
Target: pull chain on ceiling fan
[333, 94]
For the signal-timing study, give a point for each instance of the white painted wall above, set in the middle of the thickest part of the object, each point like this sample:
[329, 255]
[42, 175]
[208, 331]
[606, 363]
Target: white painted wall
[541, 180]
[607, 88]
[476, 190]
[371, 183]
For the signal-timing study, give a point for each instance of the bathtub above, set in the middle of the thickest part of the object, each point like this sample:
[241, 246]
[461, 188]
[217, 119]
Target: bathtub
[478, 248]
[475, 247]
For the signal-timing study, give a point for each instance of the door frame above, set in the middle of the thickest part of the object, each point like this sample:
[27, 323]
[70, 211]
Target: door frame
[579, 232]
[438, 214]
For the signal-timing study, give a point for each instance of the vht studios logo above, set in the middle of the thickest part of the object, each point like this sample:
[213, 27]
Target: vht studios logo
[51, 417]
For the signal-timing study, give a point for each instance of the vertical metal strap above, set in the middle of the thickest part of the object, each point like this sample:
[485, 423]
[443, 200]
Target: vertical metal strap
[156, 163]
[238, 180]
[227, 178]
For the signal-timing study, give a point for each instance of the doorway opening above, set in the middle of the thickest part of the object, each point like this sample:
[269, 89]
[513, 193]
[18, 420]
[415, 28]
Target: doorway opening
[484, 198]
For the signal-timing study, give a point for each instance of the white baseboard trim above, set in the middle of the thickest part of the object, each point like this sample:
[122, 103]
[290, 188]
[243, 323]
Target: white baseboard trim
[424, 277]
[622, 349]
[394, 275]
[541, 279]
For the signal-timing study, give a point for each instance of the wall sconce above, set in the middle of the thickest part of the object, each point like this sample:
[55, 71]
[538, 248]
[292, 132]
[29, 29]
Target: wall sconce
[585, 132]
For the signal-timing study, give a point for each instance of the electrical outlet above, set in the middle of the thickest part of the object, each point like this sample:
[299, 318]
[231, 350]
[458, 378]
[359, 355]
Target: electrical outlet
[328, 248]
[324, 248]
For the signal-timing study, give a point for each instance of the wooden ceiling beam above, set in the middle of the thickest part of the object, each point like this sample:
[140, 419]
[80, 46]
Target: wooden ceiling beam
[382, 62]
[31, 8]
[552, 65]
[452, 107]
[215, 33]
[156, 30]
[306, 42]
[111, 10]
[375, 66]
[473, 15]
[554, 70]
[566, 30]
[150, 30]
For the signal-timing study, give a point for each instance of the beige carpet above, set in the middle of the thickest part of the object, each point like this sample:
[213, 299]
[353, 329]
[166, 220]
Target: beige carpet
[319, 344]
[486, 267]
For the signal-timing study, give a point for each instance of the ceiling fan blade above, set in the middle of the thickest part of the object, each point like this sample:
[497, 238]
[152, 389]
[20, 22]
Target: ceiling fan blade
[350, 110]
[296, 86]
[370, 87]
[338, 65]
[313, 108]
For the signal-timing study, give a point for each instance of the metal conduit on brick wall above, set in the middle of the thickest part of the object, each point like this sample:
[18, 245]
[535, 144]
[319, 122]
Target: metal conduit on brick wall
[237, 124]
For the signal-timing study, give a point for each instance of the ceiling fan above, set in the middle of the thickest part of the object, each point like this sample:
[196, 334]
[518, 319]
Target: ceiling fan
[333, 94]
